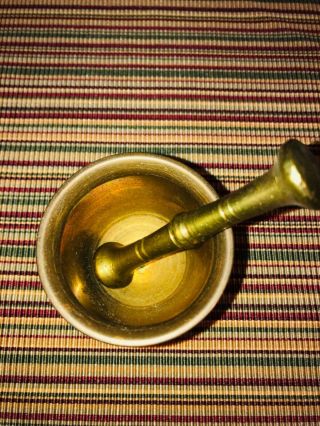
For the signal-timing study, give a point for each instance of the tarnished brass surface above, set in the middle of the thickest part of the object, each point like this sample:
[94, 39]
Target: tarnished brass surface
[123, 198]
[293, 180]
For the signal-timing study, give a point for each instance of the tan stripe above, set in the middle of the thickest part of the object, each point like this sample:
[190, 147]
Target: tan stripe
[212, 107]
[200, 344]
[262, 341]
[184, 137]
[145, 128]
[153, 82]
[159, 390]
[242, 297]
[227, 21]
[83, 156]
[123, 61]
[310, 23]
[159, 370]
[227, 173]
[31, 185]
[263, 264]
[245, 81]
[37, 93]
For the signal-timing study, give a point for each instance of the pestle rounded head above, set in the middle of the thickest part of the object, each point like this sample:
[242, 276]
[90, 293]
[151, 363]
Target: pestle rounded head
[300, 172]
[106, 267]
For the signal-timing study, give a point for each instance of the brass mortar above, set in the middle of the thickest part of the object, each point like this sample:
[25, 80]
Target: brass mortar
[125, 249]
[122, 198]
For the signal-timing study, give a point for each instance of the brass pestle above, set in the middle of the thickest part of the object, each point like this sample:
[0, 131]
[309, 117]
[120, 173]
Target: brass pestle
[294, 180]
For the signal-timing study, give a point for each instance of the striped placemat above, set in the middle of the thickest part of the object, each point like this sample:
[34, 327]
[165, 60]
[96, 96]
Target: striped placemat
[219, 84]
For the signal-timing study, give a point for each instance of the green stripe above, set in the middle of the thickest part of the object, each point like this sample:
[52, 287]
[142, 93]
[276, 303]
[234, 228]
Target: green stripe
[269, 360]
[180, 16]
[236, 307]
[163, 396]
[85, 147]
[26, 199]
[281, 130]
[132, 34]
[169, 73]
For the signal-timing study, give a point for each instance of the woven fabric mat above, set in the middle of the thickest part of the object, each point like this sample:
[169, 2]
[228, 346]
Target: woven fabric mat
[219, 84]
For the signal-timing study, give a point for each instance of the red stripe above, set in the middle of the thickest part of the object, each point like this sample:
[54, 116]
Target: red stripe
[23, 94]
[234, 10]
[175, 419]
[20, 262]
[183, 28]
[241, 117]
[26, 285]
[247, 307]
[24, 80]
[196, 46]
[33, 178]
[26, 243]
[28, 215]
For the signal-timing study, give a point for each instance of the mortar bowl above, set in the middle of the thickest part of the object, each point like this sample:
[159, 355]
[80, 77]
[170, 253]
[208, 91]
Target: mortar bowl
[122, 198]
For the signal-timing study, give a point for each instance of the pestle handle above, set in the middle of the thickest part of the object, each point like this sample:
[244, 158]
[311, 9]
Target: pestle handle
[293, 180]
